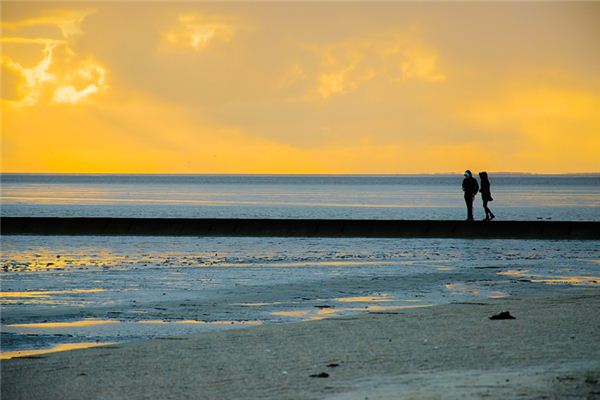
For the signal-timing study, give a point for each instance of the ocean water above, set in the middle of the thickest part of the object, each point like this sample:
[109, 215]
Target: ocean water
[82, 290]
[516, 197]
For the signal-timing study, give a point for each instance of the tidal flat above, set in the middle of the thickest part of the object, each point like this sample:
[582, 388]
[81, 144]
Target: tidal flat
[76, 290]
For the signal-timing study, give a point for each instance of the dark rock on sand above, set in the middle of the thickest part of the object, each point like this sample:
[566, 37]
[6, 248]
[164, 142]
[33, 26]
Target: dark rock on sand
[503, 315]
[321, 375]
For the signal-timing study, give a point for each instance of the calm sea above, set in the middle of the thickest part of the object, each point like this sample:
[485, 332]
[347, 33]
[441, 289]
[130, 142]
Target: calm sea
[516, 197]
[59, 290]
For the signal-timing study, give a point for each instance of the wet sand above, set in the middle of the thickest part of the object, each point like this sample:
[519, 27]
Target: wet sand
[448, 351]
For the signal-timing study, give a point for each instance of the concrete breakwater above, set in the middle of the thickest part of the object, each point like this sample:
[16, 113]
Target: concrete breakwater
[576, 230]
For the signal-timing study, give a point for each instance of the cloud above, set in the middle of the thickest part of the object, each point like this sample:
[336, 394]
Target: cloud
[33, 78]
[292, 77]
[93, 74]
[420, 64]
[198, 32]
[394, 57]
[60, 75]
[336, 82]
[68, 22]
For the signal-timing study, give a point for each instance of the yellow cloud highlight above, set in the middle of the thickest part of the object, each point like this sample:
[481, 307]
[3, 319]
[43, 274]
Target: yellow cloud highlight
[33, 78]
[60, 75]
[198, 32]
[421, 64]
[336, 82]
[394, 57]
[88, 71]
[68, 22]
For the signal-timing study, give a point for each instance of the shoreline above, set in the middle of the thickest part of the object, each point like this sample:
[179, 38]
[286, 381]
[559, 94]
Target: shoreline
[450, 351]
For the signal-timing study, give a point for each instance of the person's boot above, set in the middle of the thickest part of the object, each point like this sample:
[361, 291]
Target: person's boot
[492, 216]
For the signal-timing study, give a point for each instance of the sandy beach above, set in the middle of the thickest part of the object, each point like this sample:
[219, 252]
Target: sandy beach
[447, 351]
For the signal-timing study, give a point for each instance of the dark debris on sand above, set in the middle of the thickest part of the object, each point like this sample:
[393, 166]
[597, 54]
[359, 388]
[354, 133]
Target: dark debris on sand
[503, 315]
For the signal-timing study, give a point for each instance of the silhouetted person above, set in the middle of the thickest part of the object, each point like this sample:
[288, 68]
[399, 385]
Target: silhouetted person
[486, 195]
[470, 187]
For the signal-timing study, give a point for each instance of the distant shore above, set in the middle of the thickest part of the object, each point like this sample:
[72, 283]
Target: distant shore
[447, 351]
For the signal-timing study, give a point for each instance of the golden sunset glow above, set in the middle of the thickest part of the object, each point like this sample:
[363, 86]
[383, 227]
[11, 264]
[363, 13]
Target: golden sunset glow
[300, 87]
[60, 347]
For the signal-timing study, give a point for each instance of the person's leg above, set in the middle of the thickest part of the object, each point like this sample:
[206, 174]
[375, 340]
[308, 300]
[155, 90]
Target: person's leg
[487, 210]
[492, 216]
[469, 202]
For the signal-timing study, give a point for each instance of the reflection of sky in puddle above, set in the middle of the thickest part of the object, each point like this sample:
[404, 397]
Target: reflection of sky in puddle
[80, 323]
[291, 313]
[55, 349]
[552, 279]
[497, 295]
[316, 263]
[445, 268]
[462, 288]
[38, 259]
[41, 258]
[48, 297]
[95, 322]
[197, 322]
[366, 299]
[47, 293]
[322, 313]
[27, 336]
[258, 304]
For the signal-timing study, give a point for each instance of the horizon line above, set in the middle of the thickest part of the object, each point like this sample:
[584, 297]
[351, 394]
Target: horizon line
[302, 174]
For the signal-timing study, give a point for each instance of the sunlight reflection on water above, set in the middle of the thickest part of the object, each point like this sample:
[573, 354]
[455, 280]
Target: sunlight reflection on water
[54, 349]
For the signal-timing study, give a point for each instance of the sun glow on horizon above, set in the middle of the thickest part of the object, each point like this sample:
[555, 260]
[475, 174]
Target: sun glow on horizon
[248, 88]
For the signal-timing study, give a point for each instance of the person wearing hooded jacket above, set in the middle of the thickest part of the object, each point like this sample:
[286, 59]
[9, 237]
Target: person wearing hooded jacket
[486, 195]
[470, 187]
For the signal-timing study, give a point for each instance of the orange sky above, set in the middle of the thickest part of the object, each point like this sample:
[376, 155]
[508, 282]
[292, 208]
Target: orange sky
[300, 87]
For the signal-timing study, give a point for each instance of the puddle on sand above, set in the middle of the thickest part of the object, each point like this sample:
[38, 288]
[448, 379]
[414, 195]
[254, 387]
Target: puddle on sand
[197, 322]
[257, 304]
[366, 299]
[47, 297]
[46, 293]
[553, 279]
[291, 313]
[352, 304]
[55, 349]
[80, 323]
[462, 288]
[313, 315]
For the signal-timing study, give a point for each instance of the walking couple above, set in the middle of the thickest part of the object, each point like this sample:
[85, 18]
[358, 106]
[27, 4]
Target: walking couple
[471, 187]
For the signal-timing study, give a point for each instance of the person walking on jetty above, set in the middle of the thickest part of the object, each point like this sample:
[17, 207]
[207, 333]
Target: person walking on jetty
[486, 195]
[470, 187]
